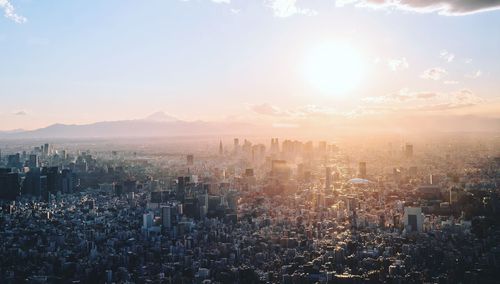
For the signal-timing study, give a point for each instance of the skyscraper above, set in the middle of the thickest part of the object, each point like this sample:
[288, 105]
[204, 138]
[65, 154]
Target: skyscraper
[236, 145]
[67, 181]
[408, 150]
[275, 146]
[33, 161]
[221, 149]
[10, 187]
[166, 217]
[190, 159]
[328, 178]
[362, 169]
[414, 219]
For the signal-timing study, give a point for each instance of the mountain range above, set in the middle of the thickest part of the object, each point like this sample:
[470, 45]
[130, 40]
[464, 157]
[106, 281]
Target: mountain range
[158, 124]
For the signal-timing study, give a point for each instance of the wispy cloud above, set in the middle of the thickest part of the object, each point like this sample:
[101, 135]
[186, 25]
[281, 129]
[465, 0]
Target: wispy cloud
[446, 55]
[404, 100]
[287, 8]
[20, 113]
[436, 73]
[222, 1]
[442, 7]
[302, 111]
[398, 64]
[10, 13]
[474, 75]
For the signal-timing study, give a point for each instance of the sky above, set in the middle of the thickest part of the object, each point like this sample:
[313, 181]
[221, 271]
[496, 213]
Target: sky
[78, 62]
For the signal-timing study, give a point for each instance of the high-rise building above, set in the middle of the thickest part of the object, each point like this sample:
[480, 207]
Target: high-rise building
[14, 161]
[221, 149]
[408, 150]
[53, 179]
[322, 147]
[67, 181]
[166, 217]
[33, 161]
[10, 187]
[46, 149]
[328, 178]
[362, 169]
[190, 160]
[414, 219]
[236, 145]
[275, 146]
[147, 220]
[32, 183]
[455, 194]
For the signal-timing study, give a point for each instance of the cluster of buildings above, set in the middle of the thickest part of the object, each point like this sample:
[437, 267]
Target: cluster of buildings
[294, 212]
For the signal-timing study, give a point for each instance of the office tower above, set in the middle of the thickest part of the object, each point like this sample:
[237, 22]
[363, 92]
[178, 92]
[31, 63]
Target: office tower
[118, 189]
[413, 171]
[46, 149]
[14, 161]
[236, 145]
[53, 179]
[10, 187]
[322, 147]
[414, 219]
[64, 154]
[166, 217]
[129, 186]
[280, 168]
[408, 150]
[147, 220]
[32, 183]
[33, 161]
[249, 173]
[221, 149]
[190, 160]
[181, 188]
[67, 181]
[328, 178]
[275, 146]
[362, 169]
[455, 193]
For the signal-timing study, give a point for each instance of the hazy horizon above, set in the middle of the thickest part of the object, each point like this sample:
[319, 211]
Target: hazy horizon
[389, 65]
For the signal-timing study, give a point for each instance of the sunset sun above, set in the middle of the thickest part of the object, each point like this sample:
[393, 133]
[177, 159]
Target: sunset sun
[334, 68]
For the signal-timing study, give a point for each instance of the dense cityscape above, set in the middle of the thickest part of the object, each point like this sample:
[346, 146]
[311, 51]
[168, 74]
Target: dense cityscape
[237, 211]
[250, 142]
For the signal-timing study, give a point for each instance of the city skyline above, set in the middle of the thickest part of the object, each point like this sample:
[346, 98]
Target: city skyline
[250, 61]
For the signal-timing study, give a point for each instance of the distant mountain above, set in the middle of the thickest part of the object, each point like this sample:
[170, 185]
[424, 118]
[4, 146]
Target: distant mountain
[157, 125]
[161, 116]
[12, 131]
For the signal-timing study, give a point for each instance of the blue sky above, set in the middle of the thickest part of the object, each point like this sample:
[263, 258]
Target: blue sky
[85, 61]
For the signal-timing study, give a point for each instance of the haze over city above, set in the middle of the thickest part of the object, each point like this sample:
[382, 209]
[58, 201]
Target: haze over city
[250, 141]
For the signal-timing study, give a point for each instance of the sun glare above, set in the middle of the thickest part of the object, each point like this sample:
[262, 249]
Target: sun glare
[334, 68]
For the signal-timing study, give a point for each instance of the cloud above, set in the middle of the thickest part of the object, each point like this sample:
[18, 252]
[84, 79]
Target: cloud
[442, 7]
[448, 56]
[404, 100]
[267, 109]
[451, 82]
[436, 74]
[287, 8]
[222, 1]
[20, 113]
[299, 112]
[10, 13]
[474, 75]
[398, 64]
